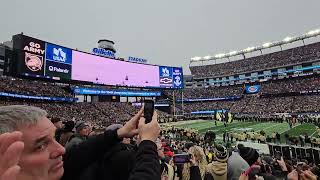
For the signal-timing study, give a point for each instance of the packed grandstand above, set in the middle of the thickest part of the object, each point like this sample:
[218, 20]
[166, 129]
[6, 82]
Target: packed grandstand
[280, 108]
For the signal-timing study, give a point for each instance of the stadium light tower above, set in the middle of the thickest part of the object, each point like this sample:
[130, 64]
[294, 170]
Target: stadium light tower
[287, 39]
[232, 53]
[266, 45]
[196, 58]
[207, 57]
[312, 33]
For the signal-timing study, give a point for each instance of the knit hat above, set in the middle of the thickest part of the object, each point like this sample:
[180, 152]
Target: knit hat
[80, 125]
[249, 154]
[221, 153]
[69, 125]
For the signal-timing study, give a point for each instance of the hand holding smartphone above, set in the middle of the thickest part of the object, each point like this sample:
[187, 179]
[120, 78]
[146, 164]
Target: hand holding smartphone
[148, 110]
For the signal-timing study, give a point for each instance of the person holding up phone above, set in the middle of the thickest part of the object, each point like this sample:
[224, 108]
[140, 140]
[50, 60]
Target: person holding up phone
[28, 149]
[198, 163]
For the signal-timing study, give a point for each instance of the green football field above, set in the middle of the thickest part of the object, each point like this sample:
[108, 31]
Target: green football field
[268, 127]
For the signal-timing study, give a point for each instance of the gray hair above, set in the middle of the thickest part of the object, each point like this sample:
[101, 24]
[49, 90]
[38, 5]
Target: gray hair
[15, 116]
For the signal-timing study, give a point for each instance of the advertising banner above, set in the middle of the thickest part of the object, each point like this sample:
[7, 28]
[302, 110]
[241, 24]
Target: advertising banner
[253, 89]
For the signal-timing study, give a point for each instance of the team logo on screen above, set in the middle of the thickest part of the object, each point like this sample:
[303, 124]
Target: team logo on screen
[77, 91]
[33, 62]
[165, 72]
[253, 89]
[177, 81]
[59, 55]
[165, 80]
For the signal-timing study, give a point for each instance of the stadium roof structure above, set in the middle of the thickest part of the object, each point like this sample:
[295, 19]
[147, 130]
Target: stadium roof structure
[266, 45]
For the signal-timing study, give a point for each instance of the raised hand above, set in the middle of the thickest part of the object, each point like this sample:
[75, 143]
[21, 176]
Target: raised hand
[130, 128]
[11, 148]
[149, 131]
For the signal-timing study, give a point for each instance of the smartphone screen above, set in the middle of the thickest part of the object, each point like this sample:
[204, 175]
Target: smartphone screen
[181, 158]
[148, 110]
[286, 152]
[316, 156]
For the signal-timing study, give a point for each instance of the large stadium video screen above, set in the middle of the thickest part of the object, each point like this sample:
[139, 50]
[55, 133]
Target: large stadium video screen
[42, 59]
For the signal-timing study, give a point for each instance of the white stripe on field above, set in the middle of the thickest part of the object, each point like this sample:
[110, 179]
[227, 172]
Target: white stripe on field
[290, 129]
[313, 133]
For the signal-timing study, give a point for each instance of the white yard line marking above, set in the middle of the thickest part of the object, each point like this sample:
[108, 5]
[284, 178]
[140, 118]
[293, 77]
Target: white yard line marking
[313, 133]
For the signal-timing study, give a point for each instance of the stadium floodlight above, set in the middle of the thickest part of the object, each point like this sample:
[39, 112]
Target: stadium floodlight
[249, 49]
[219, 55]
[266, 45]
[232, 53]
[313, 32]
[287, 39]
[207, 57]
[196, 58]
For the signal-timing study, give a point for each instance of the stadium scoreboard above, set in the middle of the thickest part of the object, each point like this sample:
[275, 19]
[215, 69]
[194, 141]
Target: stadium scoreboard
[43, 59]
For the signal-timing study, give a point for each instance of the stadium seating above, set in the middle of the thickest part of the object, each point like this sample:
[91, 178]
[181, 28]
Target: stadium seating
[291, 85]
[99, 114]
[31, 87]
[293, 56]
[209, 92]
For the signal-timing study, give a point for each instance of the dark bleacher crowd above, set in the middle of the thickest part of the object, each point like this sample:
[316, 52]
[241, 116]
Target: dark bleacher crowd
[276, 96]
[32, 87]
[98, 114]
[277, 59]
[260, 105]
[210, 92]
[298, 84]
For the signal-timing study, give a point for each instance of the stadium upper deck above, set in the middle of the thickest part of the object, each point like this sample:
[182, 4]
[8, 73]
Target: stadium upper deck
[290, 57]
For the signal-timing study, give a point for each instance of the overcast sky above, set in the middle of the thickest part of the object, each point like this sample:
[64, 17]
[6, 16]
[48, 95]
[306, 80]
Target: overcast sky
[165, 32]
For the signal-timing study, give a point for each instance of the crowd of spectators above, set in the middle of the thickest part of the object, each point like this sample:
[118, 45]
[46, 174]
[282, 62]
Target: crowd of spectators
[32, 87]
[216, 161]
[298, 84]
[260, 105]
[206, 160]
[290, 95]
[292, 56]
[209, 92]
[98, 114]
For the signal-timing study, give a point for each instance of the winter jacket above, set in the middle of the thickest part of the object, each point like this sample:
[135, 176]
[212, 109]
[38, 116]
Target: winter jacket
[75, 140]
[216, 170]
[65, 136]
[80, 157]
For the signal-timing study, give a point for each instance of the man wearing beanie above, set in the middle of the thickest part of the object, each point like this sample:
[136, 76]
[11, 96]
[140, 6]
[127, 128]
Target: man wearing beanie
[217, 170]
[249, 154]
[82, 133]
